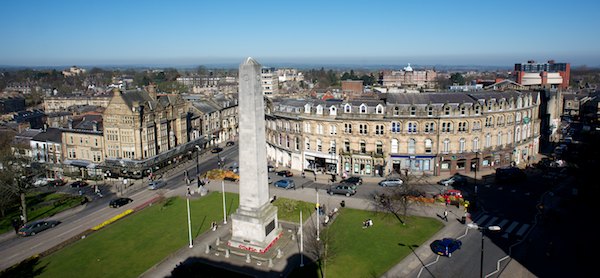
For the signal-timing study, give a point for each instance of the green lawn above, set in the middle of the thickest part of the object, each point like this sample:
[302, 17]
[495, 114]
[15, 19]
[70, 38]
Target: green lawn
[41, 205]
[130, 246]
[289, 210]
[371, 252]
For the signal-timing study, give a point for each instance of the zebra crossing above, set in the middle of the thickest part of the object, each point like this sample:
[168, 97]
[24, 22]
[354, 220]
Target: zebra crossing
[508, 227]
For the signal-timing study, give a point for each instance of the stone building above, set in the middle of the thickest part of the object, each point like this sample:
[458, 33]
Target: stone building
[427, 132]
[83, 146]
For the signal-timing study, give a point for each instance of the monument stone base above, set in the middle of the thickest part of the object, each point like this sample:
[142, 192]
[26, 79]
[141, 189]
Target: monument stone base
[255, 230]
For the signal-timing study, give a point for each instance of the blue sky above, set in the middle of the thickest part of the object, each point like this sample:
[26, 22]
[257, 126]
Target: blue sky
[62, 32]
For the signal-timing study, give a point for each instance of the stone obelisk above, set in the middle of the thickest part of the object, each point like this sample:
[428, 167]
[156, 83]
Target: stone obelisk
[255, 225]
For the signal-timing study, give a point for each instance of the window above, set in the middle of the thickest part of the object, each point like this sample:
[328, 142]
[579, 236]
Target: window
[395, 127]
[517, 135]
[476, 144]
[446, 127]
[307, 108]
[379, 129]
[477, 109]
[363, 147]
[508, 137]
[348, 128]
[332, 130]
[297, 143]
[518, 118]
[347, 146]
[363, 129]
[319, 110]
[429, 127]
[307, 143]
[447, 110]
[319, 145]
[461, 145]
[446, 145]
[488, 140]
[280, 139]
[501, 121]
[463, 111]
[396, 111]
[411, 145]
[307, 127]
[476, 125]
[379, 147]
[394, 145]
[462, 127]
[499, 143]
[347, 108]
[413, 111]
[332, 147]
[429, 111]
[319, 129]
[428, 145]
[489, 121]
[379, 109]
[412, 128]
[287, 141]
[332, 111]
[363, 109]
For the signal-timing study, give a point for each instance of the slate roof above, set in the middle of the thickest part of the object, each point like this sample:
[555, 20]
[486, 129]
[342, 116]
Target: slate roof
[429, 98]
[140, 96]
[50, 135]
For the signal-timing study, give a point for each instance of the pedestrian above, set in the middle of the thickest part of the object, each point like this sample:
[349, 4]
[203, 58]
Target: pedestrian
[315, 173]
[343, 203]
[303, 175]
[16, 225]
[213, 226]
[446, 215]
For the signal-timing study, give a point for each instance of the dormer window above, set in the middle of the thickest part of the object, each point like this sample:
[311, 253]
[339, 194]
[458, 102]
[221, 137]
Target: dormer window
[332, 110]
[396, 111]
[347, 108]
[379, 109]
[413, 111]
[429, 111]
[463, 111]
[363, 109]
[319, 110]
[477, 109]
[447, 111]
[307, 108]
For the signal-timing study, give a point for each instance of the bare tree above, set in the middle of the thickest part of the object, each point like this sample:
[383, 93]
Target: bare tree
[398, 200]
[321, 249]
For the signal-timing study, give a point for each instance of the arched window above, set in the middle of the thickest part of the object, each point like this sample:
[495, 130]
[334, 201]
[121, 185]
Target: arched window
[332, 111]
[476, 144]
[394, 145]
[517, 134]
[411, 145]
[508, 137]
[307, 108]
[319, 110]
[499, 139]
[428, 145]
[379, 147]
[429, 127]
[319, 145]
[412, 128]
[488, 140]
[379, 109]
[461, 145]
[363, 146]
[363, 109]
[446, 145]
[347, 108]
[395, 127]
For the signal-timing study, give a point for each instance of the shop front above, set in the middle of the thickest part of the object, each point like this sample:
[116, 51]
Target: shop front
[412, 163]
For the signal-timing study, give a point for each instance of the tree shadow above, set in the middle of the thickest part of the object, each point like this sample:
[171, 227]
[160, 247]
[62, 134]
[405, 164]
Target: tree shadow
[199, 231]
[412, 249]
[27, 268]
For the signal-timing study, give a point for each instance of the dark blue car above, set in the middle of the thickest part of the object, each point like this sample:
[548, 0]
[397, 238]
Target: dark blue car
[286, 183]
[445, 247]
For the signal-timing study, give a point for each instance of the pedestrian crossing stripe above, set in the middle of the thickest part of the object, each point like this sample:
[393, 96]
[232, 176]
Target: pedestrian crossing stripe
[491, 222]
[482, 218]
[485, 220]
[512, 226]
[503, 223]
[522, 230]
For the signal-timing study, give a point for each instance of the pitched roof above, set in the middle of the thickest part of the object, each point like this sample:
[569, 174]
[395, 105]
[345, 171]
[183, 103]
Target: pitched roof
[50, 135]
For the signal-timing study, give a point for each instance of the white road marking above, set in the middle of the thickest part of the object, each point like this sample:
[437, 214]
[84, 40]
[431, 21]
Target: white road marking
[523, 229]
[512, 226]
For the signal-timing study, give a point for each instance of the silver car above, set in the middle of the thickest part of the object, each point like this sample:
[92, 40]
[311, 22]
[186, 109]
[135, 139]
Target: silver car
[341, 189]
[391, 182]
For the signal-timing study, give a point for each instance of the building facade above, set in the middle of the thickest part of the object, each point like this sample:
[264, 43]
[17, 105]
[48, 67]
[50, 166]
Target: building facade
[427, 132]
[59, 104]
[543, 75]
[410, 78]
[269, 81]
[83, 146]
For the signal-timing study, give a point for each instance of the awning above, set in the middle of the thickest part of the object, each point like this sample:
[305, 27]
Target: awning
[78, 163]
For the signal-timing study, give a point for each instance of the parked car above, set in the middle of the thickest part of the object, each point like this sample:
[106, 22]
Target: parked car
[451, 193]
[115, 203]
[40, 182]
[391, 182]
[454, 180]
[229, 143]
[446, 246]
[37, 226]
[216, 150]
[507, 174]
[285, 173]
[342, 189]
[153, 185]
[270, 168]
[285, 183]
[79, 184]
[352, 180]
[56, 182]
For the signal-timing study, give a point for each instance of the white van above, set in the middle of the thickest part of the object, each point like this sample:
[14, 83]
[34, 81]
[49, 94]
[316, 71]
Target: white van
[156, 184]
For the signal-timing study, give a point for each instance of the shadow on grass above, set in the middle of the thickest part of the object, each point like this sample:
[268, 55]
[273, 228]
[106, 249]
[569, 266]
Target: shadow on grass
[168, 202]
[199, 231]
[412, 249]
[27, 268]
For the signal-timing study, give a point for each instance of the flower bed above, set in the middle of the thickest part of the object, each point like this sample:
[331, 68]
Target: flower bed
[115, 218]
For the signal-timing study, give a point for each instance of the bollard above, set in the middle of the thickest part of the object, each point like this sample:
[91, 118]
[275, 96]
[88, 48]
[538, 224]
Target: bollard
[293, 236]
[218, 241]
[207, 249]
[248, 258]
[226, 253]
[270, 263]
[279, 253]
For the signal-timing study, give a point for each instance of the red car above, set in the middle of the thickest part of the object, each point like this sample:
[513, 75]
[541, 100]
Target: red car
[452, 193]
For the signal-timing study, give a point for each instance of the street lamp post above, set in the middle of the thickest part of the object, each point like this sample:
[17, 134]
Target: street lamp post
[189, 219]
[197, 160]
[476, 167]
[482, 230]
